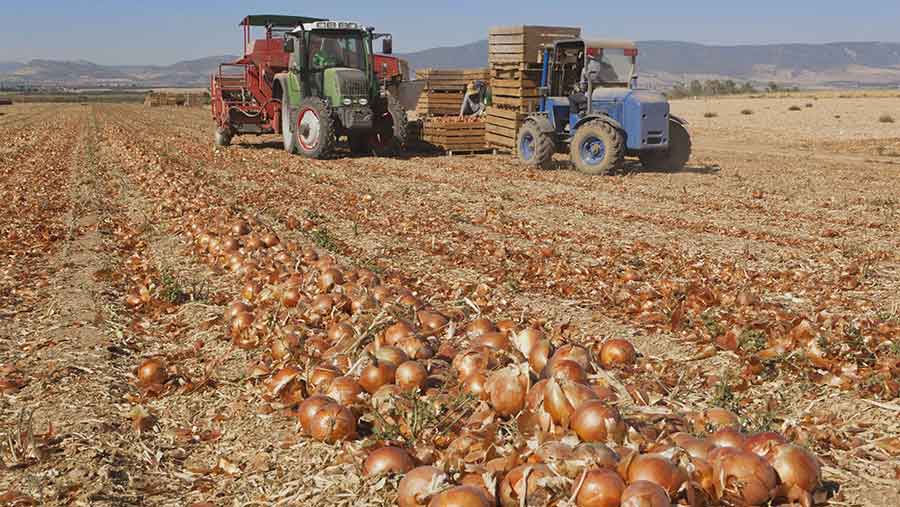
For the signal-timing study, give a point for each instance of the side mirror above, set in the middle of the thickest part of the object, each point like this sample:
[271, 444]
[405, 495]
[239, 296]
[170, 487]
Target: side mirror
[387, 46]
[289, 45]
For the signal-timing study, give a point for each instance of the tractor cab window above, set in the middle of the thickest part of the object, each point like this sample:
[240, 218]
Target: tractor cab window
[608, 66]
[329, 50]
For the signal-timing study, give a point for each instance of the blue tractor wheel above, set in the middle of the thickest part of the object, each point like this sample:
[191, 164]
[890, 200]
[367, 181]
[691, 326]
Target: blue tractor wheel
[597, 148]
[673, 158]
[534, 147]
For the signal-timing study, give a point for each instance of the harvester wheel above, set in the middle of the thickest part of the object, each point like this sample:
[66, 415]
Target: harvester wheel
[314, 128]
[534, 147]
[223, 137]
[597, 148]
[675, 157]
[287, 133]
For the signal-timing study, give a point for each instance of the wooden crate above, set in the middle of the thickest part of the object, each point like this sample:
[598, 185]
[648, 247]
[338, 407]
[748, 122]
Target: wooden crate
[523, 44]
[437, 103]
[451, 79]
[454, 134]
[502, 127]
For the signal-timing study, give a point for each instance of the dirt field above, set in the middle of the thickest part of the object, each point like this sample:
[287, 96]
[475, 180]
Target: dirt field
[764, 278]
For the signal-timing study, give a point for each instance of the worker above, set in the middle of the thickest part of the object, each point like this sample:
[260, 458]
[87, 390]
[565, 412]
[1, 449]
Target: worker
[473, 103]
[597, 71]
[328, 55]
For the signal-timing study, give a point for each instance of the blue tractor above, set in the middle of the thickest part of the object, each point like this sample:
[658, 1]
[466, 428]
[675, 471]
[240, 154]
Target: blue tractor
[591, 106]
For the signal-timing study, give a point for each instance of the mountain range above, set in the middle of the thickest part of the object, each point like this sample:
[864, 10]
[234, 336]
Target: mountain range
[661, 63]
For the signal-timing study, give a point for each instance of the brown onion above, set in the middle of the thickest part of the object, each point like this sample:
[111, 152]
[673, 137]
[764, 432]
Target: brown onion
[332, 423]
[495, 340]
[329, 278]
[522, 481]
[617, 352]
[309, 407]
[728, 437]
[762, 444]
[290, 297]
[744, 477]
[597, 455]
[507, 389]
[562, 398]
[388, 460]
[391, 354]
[476, 385]
[645, 494]
[410, 375]
[396, 332]
[527, 339]
[540, 356]
[720, 418]
[657, 469]
[599, 488]
[572, 352]
[798, 469]
[344, 390]
[461, 496]
[566, 370]
[595, 421]
[287, 385]
[153, 372]
[415, 348]
[479, 327]
[321, 377]
[415, 487]
[431, 323]
[376, 375]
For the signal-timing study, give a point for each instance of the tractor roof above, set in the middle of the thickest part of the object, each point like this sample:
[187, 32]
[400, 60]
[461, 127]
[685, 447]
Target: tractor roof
[277, 20]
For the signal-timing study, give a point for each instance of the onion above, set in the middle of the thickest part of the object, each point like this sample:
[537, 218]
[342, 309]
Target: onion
[410, 376]
[431, 323]
[286, 384]
[341, 331]
[461, 496]
[391, 354]
[573, 352]
[562, 398]
[506, 325]
[645, 494]
[617, 352]
[290, 297]
[728, 437]
[321, 377]
[597, 455]
[153, 372]
[270, 239]
[415, 348]
[476, 385]
[309, 407]
[762, 444]
[527, 339]
[396, 332]
[595, 421]
[344, 390]
[657, 469]
[252, 243]
[322, 304]
[798, 470]
[566, 370]
[240, 228]
[385, 397]
[376, 375]
[418, 484]
[507, 389]
[388, 460]
[470, 361]
[241, 322]
[332, 423]
[479, 327]
[495, 340]
[522, 482]
[696, 447]
[599, 488]
[744, 477]
[329, 278]
[720, 418]
[540, 356]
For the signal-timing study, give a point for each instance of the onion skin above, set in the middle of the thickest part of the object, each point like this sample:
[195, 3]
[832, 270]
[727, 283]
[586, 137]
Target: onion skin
[388, 460]
[645, 494]
[617, 352]
[396, 332]
[575, 353]
[763, 444]
[461, 496]
[566, 370]
[658, 470]
[728, 437]
[597, 455]
[595, 421]
[344, 390]
[394, 355]
[333, 423]
[514, 486]
[479, 327]
[539, 356]
[599, 488]
[415, 483]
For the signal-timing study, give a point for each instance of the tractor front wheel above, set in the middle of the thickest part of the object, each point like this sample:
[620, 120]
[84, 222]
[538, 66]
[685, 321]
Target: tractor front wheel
[597, 148]
[673, 158]
[534, 147]
[314, 128]
[223, 137]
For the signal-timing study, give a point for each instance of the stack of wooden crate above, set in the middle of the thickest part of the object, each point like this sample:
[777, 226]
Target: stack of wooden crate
[445, 90]
[439, 107]
[515, 55]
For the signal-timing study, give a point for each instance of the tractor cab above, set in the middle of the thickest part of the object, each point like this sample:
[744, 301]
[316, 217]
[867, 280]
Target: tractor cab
[592, 107]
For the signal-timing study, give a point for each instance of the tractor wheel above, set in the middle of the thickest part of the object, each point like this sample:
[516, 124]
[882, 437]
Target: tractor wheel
[390, 133]
[287, 133]
[675, 157]
[597, 148]
[223, 137]
[534, 147]
[314, 128]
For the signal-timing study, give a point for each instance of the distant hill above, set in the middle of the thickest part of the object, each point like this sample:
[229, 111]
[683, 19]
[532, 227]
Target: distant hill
[662, 63]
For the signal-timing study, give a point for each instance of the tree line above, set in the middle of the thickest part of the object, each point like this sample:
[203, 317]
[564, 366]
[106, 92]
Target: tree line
[696, 88]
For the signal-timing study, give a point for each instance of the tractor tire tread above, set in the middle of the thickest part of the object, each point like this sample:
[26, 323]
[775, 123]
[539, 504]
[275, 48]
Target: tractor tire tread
[676, 157]
[327, 138]
[544, 146]
[615, 146]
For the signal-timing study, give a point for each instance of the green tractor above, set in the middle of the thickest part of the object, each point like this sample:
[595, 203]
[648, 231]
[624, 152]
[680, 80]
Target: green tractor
[331, 90]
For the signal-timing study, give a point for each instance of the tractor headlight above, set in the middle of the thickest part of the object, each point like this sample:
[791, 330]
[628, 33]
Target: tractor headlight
[364, 102]
[347, 101]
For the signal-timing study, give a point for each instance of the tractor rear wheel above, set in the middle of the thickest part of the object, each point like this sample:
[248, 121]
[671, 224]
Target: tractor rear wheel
[223, 137]
[287, 133]
[534, 147]
[675, 157]
[390, 133]
[597, 148]
[314, 128]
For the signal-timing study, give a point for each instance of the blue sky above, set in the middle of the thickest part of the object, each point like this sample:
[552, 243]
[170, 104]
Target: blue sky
[166, 31]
